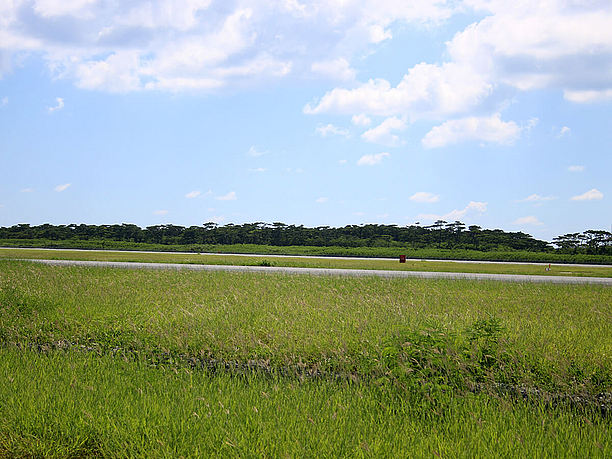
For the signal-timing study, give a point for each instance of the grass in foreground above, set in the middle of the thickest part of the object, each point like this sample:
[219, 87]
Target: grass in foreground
[115, 362]
[75, 405]
[410, 265]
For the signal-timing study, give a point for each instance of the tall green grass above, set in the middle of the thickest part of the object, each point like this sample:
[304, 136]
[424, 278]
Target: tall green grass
[549, 333]
[111, 362]
[75, 405]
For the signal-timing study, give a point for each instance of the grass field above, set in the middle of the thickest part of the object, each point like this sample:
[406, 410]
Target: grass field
[99, 361]
[410, 265]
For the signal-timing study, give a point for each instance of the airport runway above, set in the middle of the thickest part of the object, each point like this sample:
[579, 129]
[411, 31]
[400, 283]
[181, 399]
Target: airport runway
[324, 257]
[336, 272]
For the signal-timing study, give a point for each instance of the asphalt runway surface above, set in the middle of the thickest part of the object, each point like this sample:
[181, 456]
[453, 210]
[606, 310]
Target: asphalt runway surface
[336, 272]
[324, 257]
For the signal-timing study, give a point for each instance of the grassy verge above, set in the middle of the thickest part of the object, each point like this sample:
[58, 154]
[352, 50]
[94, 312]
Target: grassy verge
[410, 265]
[114, 362]
[373, 252]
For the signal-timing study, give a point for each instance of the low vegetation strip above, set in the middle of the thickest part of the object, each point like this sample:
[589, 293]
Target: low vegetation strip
[325, 263]
[109, 361]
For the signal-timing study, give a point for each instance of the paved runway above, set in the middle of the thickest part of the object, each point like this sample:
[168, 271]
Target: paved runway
[324, 257]
[337, 272]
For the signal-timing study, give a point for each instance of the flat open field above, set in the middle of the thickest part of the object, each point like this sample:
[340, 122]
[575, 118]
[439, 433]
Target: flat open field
[410, 265]
[99, 361]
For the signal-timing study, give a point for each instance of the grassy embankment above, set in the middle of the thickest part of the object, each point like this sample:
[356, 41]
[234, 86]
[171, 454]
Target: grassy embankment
[115, 362]
[374, 252]
[410, 265]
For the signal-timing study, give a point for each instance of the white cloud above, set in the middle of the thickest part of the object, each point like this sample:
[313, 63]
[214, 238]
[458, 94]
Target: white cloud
[588, 96]
[372, 160]
[576, 168]
[27, 190]
[361, 120]
[330, 129]
[258, 169]
[342, 161]
[337, 69]
[321, 200]
[52, 8]
[473, 208]
[193, 194]
[486, 129]
[537, 198]
[5, 101]
[564, 131]
[381, 134]
[516, 46]
[255, 152]
[160, 212]
[231, 196]
[60, 188]
[424, 196]
[377, 34]
[532, 45]
[187, 45]
[425, 91]
[59, 106]
[529, 220]
[590, 195]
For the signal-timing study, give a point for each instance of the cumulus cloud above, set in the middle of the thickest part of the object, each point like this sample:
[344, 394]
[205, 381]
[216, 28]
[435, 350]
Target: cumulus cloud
[588, 96]
[60, 188]
[529, 220]
[427, 90]
[424, 196]
[473, 208]
[337, 69]
[231, 196]
[517, 46]
[564, 131]
[537, 198]
[361, 120]
[54, 8]
[186, 45]
[255, 152]
[372, 160]
[553, 44]
[58, 106]
[193, 194]
[330, 129]
[485, 129]
[576, 168]
[489, 129]
[590, 195]
[382, 134]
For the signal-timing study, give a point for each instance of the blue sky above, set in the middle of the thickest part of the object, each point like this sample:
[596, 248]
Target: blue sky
[494, 113]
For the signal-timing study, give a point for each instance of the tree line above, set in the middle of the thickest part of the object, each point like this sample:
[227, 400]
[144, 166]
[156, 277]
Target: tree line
[441, 234]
